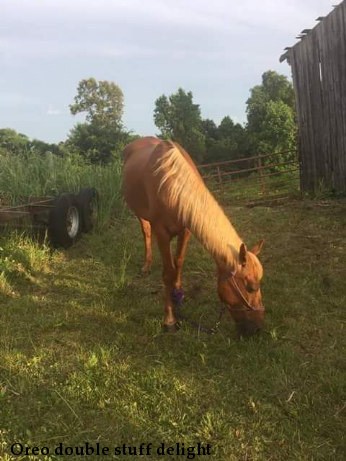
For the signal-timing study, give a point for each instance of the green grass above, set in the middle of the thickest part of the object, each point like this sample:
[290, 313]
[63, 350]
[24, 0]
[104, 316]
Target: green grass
[83, 358]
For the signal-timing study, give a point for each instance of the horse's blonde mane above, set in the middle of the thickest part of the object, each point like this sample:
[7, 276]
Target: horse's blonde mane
[196, 208]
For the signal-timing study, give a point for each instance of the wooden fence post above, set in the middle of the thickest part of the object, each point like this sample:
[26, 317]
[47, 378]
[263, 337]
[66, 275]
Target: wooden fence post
[219, 174]
[261, 175]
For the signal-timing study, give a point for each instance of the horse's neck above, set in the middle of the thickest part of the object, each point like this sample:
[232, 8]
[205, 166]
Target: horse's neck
[204, 217]
[214, 230]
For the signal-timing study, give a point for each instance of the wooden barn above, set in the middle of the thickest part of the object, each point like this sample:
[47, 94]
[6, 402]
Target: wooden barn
[318, 63]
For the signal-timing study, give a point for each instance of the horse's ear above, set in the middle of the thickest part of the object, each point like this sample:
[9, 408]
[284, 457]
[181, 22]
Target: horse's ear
[258, 247]
[242, 254]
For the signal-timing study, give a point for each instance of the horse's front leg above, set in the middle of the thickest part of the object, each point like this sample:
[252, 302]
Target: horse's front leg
[170, 322]
[183, 240]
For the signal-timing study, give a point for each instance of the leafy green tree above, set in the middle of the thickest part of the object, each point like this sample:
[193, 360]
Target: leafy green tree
[226, 128]
[102, 101]
[271, 115]
[98, 144]
[42, 147]
[163, 117]
[278, 128]
[224, 142]
[13, 142]
[20, 144]
[221, 150]
[210, 129]
[211, 134]
[102, 136]
[178, 118]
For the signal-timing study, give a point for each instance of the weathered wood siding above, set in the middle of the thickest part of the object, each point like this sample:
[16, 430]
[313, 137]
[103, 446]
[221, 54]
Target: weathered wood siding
[319, 76]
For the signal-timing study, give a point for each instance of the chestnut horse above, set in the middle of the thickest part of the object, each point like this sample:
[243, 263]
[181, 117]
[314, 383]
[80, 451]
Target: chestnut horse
[163, 187]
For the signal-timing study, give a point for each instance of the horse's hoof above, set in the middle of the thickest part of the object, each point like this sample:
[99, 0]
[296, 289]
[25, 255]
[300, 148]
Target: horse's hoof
[145, 272]
[171, 328]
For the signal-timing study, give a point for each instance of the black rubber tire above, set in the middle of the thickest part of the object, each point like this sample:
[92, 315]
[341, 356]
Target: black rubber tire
[59, 222]
[87, 201]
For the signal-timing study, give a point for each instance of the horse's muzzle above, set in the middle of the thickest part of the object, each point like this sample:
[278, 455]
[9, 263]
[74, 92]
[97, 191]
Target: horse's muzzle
[248, 328]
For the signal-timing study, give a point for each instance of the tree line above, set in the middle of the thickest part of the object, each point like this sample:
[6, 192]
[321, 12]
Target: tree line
[270, 127]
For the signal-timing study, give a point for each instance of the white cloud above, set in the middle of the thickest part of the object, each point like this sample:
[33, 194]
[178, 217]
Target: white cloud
[12, 49]
[17, 99]
[218, 14]
[53, 111]
[129, 28]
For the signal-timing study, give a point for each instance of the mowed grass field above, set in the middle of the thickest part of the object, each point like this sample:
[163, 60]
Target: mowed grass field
[83, 358]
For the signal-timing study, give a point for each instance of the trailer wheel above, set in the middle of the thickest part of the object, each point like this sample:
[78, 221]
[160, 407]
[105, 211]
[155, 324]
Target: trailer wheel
[64, 226]
[87, 201]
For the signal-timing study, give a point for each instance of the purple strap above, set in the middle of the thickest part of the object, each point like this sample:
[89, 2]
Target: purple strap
[177, 296]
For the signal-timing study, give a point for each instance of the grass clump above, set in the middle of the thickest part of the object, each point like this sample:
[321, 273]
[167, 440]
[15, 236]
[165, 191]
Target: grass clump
[21, 259]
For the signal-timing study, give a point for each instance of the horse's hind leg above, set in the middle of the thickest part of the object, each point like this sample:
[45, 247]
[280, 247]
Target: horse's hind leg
[183, 240]
[146, 229]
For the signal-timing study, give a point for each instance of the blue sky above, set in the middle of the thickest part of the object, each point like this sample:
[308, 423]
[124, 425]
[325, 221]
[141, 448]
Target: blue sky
[216, 49]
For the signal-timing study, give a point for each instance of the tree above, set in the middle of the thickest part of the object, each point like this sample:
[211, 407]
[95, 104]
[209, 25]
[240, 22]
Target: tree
[278, 127]
[102, 101]
[224, 142]
[179, 119]
[210, 129]
[18, 143]
[226, 128]
[102, 136]
[163, 117]
[271, 115]
[13, 142]
[98, 144]
[42, 147]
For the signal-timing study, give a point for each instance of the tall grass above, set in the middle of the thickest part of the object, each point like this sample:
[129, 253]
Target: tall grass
[49, 175]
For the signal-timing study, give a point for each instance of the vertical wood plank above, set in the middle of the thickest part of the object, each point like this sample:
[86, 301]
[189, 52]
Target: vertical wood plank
[319, 77]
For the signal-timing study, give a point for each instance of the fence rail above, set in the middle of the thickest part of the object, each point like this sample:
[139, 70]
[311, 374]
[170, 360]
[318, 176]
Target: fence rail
[258, 177]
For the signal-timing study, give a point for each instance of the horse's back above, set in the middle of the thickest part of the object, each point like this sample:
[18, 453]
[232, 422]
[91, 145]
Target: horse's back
[141, 183]
[139, 145]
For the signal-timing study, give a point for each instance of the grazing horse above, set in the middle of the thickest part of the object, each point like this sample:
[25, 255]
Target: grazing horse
[163, 187]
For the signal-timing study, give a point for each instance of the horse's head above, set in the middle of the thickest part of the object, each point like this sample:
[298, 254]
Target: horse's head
[240, 290]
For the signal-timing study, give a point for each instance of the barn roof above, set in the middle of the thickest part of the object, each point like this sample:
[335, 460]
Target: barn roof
[304, 33]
